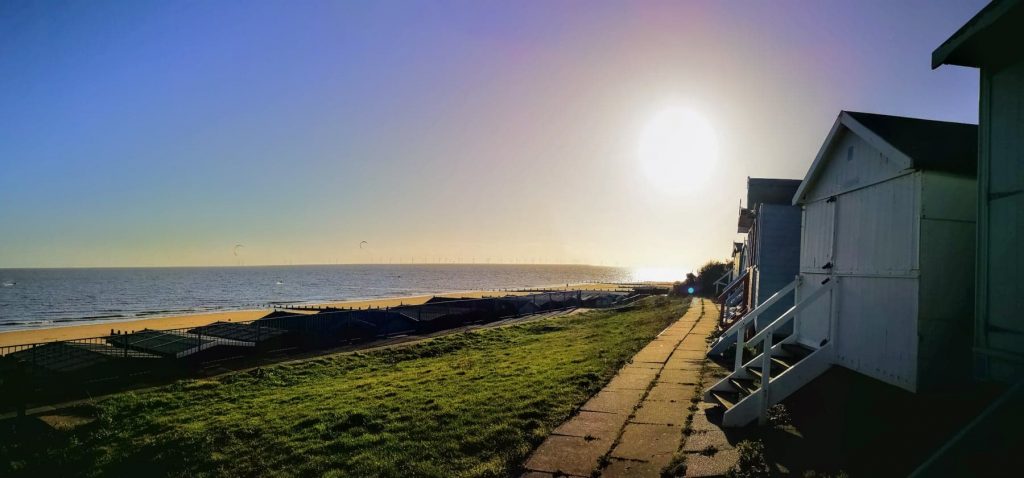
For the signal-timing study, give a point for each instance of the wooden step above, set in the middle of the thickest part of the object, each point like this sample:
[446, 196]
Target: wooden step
[777, 368]
[728, 355]
[784, 362]
[797, 350]
[745, 386]
[725, 399]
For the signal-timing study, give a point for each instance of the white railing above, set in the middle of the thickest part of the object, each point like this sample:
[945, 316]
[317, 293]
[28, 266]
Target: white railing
[753, 314]
[765, 336]
[723, 281]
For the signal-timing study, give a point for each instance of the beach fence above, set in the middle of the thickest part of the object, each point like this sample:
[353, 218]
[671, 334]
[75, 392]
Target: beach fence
[56, 369]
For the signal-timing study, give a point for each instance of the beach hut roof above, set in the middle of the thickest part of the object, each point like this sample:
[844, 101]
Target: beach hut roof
[993, 36]
[924, 144]
[279, 313]
[770, 191]
[764, 191]
[435, 299]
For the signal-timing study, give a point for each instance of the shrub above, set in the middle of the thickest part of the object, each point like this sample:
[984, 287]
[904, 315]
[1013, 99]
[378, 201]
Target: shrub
[752, 462]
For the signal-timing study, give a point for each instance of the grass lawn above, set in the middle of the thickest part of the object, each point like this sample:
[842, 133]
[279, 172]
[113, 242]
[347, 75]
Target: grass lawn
[467, 404]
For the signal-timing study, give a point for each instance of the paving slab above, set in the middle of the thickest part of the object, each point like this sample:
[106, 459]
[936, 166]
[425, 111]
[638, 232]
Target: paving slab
[662, 343]
[614, 401]
[631, 468]
[640, 368]
[701, 347]
[679, 376]
[661, 413]
[671, 392]
[681, 328]
[690, 355]
[650, 443]
[679, 363]
[596, 424]
[566, 454]
[653, 355]
[632, 381]
[698, 465]
[537, 474]
[647, 365]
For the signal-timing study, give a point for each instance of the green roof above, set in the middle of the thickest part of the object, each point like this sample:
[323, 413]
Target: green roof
[931, 145]
[994, 36]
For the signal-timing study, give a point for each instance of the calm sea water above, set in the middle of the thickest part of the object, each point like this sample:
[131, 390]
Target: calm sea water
[32, 298]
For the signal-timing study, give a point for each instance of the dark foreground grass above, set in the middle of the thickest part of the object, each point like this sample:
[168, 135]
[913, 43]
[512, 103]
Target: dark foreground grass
[467, 404]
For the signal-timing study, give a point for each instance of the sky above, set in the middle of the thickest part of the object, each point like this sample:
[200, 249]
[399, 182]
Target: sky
[141, 133]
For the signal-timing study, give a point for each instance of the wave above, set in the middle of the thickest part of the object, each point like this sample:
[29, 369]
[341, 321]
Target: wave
[88, 317]
[149, 313]
[45, 297]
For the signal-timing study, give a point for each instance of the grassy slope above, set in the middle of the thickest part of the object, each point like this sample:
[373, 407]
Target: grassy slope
[469, 404]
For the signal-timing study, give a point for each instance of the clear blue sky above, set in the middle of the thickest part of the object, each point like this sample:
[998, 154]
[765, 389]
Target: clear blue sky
[164, 133]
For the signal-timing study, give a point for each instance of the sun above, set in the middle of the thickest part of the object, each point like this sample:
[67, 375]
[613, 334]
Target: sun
[678, 150]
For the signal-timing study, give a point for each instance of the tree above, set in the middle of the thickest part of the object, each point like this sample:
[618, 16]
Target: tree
[687, 287]
[707, 275]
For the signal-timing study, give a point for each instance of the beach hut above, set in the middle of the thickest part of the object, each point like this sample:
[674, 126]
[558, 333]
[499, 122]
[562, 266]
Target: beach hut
[735, 258]
[886, 263]
[993, 41]
[768, 258]
[773, 240]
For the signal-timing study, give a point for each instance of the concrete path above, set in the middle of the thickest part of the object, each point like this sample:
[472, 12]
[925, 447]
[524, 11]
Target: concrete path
[635, 425]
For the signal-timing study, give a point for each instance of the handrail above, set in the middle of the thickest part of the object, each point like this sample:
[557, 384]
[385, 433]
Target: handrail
[791, 312]
[719, 280]
[740, 325]
[732, 285]
[766, 335]
[764, 305]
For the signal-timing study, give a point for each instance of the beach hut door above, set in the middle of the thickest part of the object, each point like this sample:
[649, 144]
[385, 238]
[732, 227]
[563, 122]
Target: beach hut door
[818, 245]
[817, 265]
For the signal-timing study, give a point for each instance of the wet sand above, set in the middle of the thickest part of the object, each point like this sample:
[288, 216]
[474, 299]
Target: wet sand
[70, 332]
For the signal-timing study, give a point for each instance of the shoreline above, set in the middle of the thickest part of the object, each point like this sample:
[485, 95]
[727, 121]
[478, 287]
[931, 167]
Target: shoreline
[103, 328]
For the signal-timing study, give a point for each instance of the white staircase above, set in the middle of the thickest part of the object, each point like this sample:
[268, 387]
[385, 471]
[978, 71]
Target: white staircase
[728, 338]
[768, 378]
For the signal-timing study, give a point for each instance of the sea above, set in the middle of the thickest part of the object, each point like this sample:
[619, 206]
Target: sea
[34, 298]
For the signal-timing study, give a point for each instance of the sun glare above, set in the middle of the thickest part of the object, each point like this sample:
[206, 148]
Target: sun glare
[678, 150]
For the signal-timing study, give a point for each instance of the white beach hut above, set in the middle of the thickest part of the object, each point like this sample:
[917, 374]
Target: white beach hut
[886, 265]
[993, 41]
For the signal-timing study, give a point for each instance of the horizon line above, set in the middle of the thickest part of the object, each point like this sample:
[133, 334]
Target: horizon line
[326, 264]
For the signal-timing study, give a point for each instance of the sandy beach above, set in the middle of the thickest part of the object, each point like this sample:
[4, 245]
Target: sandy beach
[71, 332]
